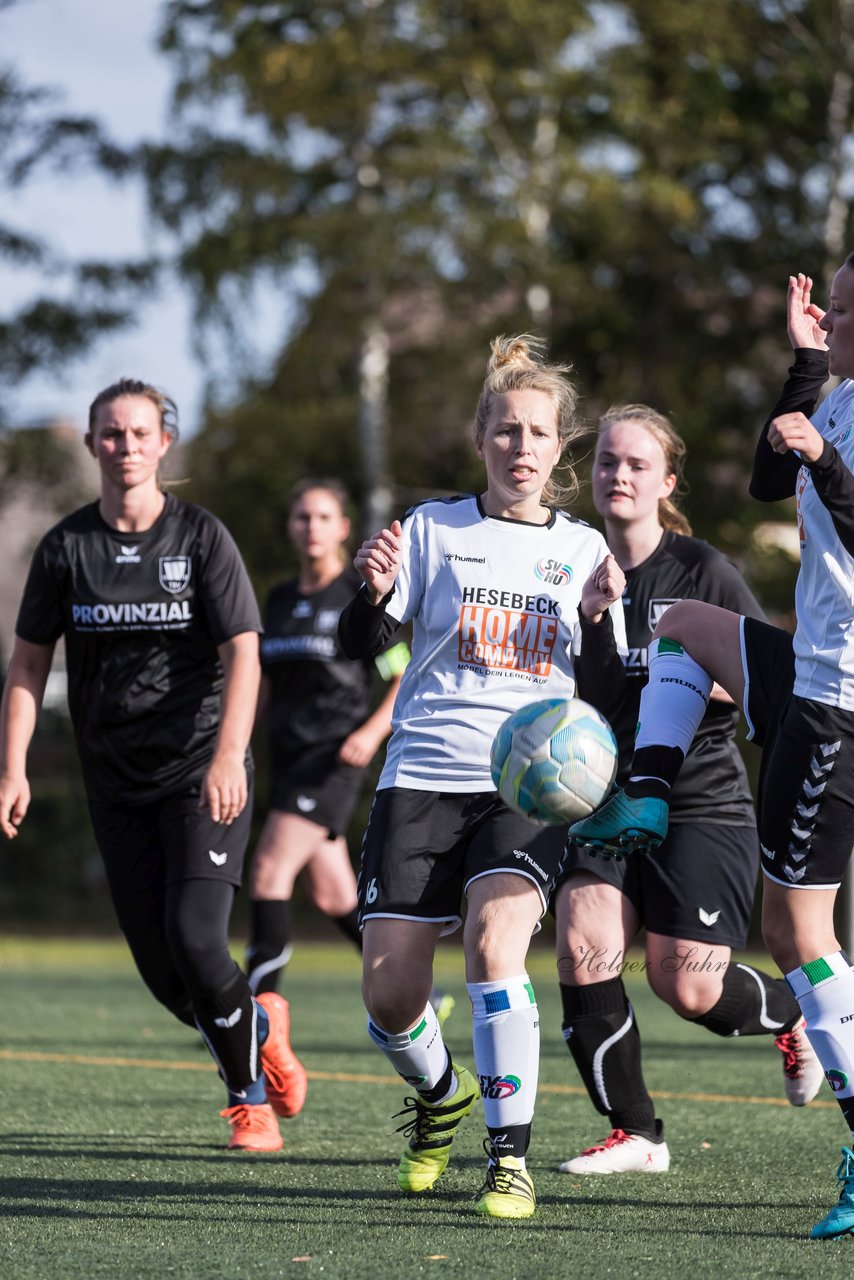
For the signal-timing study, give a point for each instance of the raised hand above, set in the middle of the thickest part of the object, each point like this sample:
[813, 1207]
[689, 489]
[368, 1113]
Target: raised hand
[378, 560]
[803, 316]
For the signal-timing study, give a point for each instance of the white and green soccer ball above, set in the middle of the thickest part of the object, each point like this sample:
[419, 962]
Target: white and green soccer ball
[554, 761]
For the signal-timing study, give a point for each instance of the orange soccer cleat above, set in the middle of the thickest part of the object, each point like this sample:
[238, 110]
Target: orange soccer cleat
[287, 1082]
[253, 1128]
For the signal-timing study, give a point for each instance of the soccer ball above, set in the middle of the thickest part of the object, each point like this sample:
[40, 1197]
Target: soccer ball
[554, 761]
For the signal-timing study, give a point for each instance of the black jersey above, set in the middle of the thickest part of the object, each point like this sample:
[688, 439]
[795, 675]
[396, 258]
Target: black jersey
[318, 695]
[712, 785]
[142, 615]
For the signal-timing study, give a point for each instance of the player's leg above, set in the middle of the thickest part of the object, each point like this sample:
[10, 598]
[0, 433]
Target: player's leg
[287, 842]
[409, 896]
[129, 842]
[695, 645]
[330, 883]
[307, 814]
[698, 889]
[596, 919]
[806, 827]
[511, 865]
[248, 1038]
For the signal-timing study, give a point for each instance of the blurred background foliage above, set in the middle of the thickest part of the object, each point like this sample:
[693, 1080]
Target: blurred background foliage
[632, 181]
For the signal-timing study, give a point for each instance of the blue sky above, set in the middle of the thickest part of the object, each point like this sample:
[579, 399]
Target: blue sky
[100, 57]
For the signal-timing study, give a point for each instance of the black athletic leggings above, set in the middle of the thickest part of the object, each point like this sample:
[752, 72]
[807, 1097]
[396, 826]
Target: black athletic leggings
[179, 940]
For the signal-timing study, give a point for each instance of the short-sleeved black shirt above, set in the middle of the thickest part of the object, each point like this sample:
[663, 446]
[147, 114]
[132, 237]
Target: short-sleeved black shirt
[142, 615]
[318, 695]
[712, 785]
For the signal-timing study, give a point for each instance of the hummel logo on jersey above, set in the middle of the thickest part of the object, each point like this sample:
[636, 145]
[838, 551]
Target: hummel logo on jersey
[129, 555]
[232, 1019]
[305, 804]
[174, 573]
[218, 859]
[708, 918]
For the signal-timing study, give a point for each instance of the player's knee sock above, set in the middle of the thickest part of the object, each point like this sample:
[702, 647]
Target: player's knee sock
[349, 926]
[269, 948]
[602, 1035]
[227, 1019]
[507, 1058]
[824, 989]
[419, 1056]
[672, 705]
[752, 1003]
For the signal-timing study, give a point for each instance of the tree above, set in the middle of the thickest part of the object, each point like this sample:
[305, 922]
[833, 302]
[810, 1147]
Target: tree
[79, 301]
[634, 180]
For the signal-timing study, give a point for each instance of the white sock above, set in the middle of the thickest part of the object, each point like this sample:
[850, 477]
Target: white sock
[675, 698]
[418, 1055]
[824, 989]
[507, 1054]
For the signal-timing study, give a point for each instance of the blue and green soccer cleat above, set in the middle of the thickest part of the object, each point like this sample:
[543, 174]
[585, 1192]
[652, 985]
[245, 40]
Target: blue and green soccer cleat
[431, 1132]
[840, 1220]
[623, 824]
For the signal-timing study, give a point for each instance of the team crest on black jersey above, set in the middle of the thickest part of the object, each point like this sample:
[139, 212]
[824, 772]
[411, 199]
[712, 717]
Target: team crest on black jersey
[656, 609]
[174, 573]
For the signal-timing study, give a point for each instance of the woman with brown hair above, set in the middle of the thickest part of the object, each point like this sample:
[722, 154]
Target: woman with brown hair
[161, 640]
[695, 894]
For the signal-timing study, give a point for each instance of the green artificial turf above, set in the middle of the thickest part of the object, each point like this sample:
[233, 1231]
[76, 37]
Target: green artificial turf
[112, 1159]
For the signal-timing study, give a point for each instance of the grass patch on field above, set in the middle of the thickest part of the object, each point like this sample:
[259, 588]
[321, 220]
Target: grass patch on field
[112, 1160]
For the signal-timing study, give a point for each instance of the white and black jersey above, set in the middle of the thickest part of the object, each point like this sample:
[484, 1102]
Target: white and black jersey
[494, 609]
[712, 785]
[824, 490]
[318, 694]
[142, 615]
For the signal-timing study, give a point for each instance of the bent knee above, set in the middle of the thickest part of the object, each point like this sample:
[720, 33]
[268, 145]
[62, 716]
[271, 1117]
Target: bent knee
[689, 996]
[679, 621]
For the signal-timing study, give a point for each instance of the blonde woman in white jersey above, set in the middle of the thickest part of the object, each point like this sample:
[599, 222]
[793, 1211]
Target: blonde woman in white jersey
[511, 601]
[798, 697]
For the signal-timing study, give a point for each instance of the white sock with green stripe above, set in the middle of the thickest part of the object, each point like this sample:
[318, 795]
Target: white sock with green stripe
[507, 1057]
[672, 705]
[418, 1055]
[824, 989]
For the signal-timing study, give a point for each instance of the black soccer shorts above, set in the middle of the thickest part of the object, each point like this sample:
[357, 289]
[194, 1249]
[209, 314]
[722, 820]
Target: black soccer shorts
[699, 884]
[422, 850]
[326, 795]
[170, 838]
[805, 802]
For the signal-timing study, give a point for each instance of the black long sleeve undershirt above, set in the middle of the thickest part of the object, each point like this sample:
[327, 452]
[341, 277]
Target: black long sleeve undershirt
[364, 628]
[775, 475]
[600, 674]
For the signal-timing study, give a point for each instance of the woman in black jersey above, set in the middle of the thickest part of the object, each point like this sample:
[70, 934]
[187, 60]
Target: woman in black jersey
[161, 638]
[322, 733]
[694, 894]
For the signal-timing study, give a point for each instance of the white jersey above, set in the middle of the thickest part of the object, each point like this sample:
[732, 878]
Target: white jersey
[494, 610]
[824, 595]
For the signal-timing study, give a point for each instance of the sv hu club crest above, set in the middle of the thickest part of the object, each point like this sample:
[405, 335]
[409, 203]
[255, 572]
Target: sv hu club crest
[174, 573]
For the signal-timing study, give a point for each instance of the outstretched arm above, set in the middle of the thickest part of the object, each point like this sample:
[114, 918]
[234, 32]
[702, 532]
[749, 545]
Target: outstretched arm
[22, 700]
